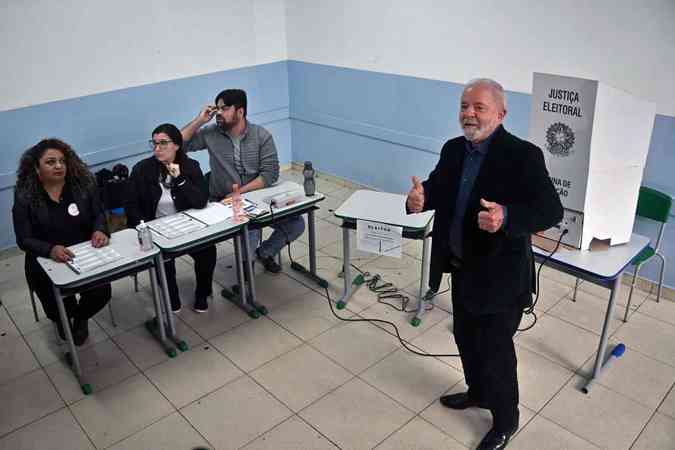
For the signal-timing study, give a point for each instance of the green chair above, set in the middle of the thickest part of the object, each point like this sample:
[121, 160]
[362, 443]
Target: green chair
[653, 205]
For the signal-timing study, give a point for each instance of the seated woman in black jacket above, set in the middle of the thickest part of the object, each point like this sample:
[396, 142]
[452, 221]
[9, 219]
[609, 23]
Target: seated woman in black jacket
[166, 183]
[56, 205]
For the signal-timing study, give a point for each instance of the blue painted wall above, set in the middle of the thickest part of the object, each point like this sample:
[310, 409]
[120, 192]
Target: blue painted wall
[114, 127]
[380, 129]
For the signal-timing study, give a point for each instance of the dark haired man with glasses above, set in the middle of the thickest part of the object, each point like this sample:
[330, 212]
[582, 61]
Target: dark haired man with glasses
[241, 153]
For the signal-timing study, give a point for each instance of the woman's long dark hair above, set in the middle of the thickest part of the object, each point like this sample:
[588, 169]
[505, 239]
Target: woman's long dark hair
[28, 184]
[177, 138]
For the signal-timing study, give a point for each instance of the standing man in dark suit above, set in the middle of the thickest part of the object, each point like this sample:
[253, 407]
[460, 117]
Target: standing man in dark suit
[490, 190]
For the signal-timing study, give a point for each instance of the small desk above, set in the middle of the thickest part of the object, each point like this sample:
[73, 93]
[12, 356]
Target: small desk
[390, 209]
[209, 235]
[306, 205]
[132, 260]
[603, 268]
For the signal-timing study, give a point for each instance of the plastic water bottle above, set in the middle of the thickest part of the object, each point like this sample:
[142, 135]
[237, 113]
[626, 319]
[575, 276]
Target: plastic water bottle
[144, 236]
[310, 184]
[237, 213]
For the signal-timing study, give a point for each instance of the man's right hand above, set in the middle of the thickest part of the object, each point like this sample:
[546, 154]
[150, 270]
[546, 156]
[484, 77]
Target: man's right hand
[206, 114]
[60, 254]
[415, 201]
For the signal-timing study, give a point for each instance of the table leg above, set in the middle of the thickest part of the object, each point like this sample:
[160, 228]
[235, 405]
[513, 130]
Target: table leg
[170, 323]
[241, 298]
[427, 297]
[248, 267]
[602, 347]
[311, 273]
[156, 326]
[71, 356]
[346, 270]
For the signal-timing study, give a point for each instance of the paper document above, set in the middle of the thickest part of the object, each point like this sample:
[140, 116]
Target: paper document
[88, 258]
[379, 238]
[214, 212]
[175, 225]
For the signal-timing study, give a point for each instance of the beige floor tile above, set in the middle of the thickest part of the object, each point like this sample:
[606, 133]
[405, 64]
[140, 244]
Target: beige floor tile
[16, 358]
[179, 381]
[541, 433]
[57, 431]
[7, 328]
[419, 434]
[603, 417]
[292, 434]
[273, 290]
[130, 312]
[356, 345]
[121, 410]
[402, 320]
[328, 267]
[356, 257]
[356, 415]
[439, 340]
[22, 315]
[641, 378]
[551, 293]
[326, 233]
[170, 433]
[235, 414]
[327, 206]
[326, 186]
[412, 380]
[295, 387]
[659, 434]
[145, 351]
[14, 292]
[467, 426]
[103, 365]
[621, 296]
[255, 343]
[668, 405]
[306, 317]
[539, 379]
[221, 316]
[414, 247]
[26, 399]
[664, 310]
[649, 336]
[49, 348]
[559, 341]
[399, 271]
[588, 312]
[12, 268]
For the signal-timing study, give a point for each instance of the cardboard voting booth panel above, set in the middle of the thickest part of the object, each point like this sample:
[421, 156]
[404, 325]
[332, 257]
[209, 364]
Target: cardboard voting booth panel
[595, 140]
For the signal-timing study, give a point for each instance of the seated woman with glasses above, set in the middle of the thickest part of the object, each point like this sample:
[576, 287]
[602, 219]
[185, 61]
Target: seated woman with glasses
[164, 184]
[56, 205]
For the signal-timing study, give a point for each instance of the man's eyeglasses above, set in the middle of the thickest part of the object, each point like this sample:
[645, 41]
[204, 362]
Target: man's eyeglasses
[221, 108]
[162, 144]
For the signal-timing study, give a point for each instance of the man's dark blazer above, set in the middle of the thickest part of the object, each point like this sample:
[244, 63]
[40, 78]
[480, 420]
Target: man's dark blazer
[189, 188]
[497, 271]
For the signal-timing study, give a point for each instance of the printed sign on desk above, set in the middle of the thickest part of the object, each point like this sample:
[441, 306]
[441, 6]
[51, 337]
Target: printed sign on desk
[379, 238]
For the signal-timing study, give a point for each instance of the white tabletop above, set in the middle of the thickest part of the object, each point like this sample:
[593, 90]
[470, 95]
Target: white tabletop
[203, 234]
[382, 207]
[124, 242]
[261, 196]
[601, 263]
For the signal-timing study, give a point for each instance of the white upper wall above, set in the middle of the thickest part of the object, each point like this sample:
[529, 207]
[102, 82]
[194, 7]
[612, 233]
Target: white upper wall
[626, 44]
[54, 50]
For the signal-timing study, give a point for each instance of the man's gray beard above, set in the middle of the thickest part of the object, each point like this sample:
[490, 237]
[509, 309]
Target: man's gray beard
[471, 133]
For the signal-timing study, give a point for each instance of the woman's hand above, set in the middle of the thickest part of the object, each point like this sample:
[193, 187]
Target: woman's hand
[99, 239]
[173, 169]
[60, 254]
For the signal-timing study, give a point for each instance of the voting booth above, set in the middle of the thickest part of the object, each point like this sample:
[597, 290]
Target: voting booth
[595, 140]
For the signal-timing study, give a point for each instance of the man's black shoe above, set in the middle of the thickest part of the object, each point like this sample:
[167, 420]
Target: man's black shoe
[201, 305]
[80, 331]
[461, 401]
[268, 262]
[495, 439]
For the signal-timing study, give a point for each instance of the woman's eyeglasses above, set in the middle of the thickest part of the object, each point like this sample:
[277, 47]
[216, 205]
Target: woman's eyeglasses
[162, 144]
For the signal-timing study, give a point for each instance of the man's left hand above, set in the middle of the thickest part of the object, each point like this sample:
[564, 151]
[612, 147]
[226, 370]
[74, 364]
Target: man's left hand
[99, 239]
[492, 219]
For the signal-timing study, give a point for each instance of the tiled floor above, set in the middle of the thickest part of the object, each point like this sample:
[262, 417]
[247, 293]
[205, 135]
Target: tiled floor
[301, 379]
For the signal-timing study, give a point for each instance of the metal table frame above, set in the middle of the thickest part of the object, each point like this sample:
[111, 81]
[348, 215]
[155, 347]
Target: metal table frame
[66, 282]
[603, 268]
